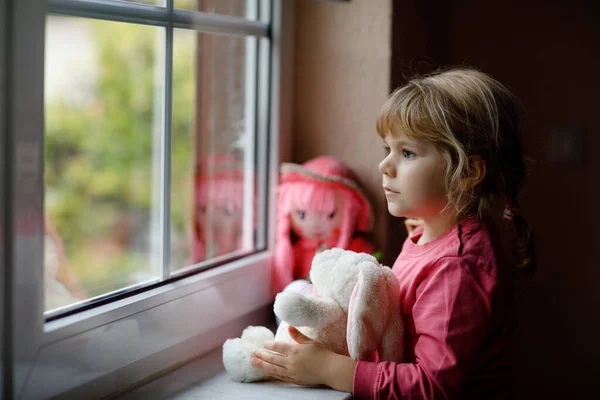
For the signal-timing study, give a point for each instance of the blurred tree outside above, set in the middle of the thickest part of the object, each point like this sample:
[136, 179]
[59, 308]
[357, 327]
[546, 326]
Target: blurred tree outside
[99, 177]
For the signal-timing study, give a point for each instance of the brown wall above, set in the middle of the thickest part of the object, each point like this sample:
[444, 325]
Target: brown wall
[342, 76]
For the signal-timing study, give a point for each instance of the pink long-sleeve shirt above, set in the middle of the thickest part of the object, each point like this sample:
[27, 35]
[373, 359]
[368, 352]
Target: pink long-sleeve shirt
[459, 321]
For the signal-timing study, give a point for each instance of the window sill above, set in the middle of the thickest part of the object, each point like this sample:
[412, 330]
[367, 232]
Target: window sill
[106, 350]
[255, 265]
[205, 378]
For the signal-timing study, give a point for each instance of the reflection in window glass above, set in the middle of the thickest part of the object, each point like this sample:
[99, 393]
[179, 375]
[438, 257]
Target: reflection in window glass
[236, 8]
[102, 106]
[150, 2]
[213, 204]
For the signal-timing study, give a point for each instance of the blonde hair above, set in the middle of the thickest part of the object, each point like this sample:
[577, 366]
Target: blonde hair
[466, 113]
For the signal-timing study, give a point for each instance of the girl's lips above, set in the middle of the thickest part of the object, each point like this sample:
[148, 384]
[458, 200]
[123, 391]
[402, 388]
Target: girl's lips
[390, 191]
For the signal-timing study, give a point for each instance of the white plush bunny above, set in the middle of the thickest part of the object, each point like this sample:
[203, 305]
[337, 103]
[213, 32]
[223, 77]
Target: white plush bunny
[352, 307]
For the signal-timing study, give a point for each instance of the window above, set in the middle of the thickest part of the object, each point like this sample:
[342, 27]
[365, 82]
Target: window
[150, 151]
[141, 146]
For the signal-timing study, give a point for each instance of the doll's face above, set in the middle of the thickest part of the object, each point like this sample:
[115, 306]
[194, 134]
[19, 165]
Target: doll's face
[226, 218]
[319, 225]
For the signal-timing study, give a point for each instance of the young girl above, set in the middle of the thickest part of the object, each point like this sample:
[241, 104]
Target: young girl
[453, 140]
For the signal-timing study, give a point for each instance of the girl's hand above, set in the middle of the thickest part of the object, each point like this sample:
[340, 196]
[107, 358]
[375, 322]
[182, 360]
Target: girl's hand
[307, 363]
[302, 363]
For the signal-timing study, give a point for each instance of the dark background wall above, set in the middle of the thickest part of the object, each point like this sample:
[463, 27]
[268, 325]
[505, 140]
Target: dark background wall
[547, 52]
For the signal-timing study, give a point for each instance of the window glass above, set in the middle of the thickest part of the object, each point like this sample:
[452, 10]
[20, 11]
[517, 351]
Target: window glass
[149, 2]
[236, 8]
[104, 161]
[103, 86]
[213, 175]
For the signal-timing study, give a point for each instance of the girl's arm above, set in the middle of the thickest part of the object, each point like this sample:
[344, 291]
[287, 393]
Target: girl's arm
[307, 363]
[455, 316]
[452, 317]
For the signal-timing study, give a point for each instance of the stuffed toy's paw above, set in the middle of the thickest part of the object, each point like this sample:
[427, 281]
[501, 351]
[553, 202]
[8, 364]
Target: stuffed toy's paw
[237, 354]
[292, 308]
[257, 335]
[306, 309]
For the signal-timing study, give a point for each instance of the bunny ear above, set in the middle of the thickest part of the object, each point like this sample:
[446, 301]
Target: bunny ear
[367, 312]
[391, 347]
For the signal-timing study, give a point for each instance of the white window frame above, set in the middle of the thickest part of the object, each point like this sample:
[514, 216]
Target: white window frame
[107, 349]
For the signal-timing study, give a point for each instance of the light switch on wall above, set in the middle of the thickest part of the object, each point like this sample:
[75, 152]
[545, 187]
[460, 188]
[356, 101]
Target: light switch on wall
[566, 145]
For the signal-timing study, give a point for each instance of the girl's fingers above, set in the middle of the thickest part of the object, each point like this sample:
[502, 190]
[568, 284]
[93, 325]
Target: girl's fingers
[283, 378]
[279, 347]
[269, 369]
[270, 357]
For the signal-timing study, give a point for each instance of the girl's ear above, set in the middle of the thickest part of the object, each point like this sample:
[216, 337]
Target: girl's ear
[478, 167]
[476, 171]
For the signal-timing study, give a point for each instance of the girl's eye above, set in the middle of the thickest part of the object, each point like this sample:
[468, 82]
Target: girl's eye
[408, 154]
[301, 214]
[332, 214]
[387, 149]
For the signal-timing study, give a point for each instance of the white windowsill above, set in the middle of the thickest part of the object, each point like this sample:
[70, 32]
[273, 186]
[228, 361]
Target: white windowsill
[205, 378]
[99, 316]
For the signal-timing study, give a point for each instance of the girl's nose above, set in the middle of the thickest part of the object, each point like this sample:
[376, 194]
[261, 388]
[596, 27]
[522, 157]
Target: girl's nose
[386, 167]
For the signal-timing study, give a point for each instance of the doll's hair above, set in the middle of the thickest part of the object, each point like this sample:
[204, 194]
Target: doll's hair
[314, 195]
[466, 113]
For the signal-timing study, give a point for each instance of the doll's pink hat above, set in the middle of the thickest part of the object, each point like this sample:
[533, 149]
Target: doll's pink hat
[328, 170]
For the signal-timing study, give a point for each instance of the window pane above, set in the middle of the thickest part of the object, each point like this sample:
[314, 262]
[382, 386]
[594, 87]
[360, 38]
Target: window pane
[237, 8]
[102, 157]
[150, 2]
[213, 204]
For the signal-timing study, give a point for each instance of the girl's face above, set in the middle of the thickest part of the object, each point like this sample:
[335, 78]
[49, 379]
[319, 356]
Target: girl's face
[319, 225]
[413, 177]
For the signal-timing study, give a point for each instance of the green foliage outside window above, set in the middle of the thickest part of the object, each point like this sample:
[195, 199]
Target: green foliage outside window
[99, 175]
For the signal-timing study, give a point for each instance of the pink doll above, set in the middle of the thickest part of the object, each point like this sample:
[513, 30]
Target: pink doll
[319, 206]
